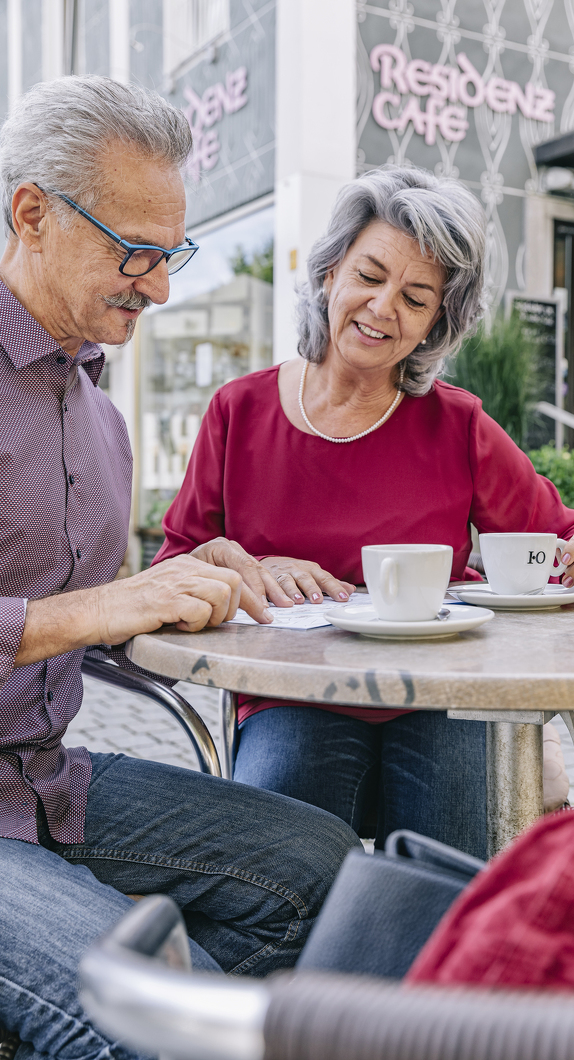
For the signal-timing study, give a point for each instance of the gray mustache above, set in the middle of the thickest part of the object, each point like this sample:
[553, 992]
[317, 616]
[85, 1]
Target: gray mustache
[128, 300]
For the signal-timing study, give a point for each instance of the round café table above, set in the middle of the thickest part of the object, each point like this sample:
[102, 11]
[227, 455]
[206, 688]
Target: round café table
[515, 673]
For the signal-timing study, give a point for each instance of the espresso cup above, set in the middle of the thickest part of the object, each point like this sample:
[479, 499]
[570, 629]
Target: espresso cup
[520, 564]
[407, 583]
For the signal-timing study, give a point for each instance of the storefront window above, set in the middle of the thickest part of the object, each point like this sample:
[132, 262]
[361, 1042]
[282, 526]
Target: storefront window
[216, 326]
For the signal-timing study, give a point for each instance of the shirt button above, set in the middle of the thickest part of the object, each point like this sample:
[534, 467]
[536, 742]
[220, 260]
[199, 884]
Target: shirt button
[65, 408]
[50, 696]
[61, 360]
[78, 553]
[71, 480]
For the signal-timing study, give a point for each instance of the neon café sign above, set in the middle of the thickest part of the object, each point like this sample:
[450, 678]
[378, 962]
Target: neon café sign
[450, 91]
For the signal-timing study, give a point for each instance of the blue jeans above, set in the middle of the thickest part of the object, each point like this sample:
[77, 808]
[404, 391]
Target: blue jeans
[420, 771]
[249, 871]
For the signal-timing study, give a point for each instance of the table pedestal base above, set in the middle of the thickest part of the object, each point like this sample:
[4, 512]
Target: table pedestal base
[514, 791]
[514, 767]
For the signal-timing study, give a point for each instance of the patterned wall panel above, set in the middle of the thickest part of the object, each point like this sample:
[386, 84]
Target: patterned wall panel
[229, 97]
[494, 78]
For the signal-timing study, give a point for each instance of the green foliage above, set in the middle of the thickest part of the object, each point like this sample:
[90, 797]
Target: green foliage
[260, 264]
[158, 507]
[499, 366]
[558, 467]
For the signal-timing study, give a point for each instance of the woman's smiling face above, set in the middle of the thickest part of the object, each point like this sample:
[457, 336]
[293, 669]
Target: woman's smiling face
[384, 298]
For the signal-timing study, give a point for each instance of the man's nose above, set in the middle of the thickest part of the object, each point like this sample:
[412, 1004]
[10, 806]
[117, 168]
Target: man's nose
[154, 284]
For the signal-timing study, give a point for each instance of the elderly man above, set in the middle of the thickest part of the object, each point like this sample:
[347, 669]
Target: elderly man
[94, 208]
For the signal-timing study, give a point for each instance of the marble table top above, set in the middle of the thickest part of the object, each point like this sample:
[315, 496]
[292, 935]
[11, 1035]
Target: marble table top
[518, 661]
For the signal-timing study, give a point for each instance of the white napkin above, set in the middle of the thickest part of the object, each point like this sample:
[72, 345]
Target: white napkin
[301, 616]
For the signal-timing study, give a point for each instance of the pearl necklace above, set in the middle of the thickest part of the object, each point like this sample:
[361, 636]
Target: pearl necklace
[355, 437]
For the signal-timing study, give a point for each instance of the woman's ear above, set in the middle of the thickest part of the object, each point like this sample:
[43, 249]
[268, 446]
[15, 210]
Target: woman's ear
[439, 313]
[328, 283]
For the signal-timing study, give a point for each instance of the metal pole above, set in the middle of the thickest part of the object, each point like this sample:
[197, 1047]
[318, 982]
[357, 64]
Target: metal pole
[229, 734]
[514, 791]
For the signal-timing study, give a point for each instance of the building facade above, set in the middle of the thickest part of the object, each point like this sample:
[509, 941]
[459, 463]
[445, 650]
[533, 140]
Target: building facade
[287, 100]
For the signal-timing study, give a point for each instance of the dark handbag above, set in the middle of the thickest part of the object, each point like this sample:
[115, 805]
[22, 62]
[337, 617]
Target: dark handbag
[382, 908]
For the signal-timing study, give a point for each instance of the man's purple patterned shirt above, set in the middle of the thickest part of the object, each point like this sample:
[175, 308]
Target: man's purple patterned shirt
[65, 485]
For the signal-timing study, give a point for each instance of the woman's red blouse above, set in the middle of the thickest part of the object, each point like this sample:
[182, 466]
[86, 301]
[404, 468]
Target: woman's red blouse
[438, 464]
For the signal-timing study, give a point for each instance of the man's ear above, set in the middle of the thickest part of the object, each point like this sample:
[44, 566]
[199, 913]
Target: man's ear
[29, 210]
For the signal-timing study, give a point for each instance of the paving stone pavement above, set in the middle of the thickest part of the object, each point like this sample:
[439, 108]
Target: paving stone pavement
[112, 720]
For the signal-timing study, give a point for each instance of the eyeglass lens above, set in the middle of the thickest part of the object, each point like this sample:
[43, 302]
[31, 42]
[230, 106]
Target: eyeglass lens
[142, 261]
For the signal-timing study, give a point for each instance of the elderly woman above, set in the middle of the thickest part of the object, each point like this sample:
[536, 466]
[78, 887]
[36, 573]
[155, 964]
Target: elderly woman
[358, 442]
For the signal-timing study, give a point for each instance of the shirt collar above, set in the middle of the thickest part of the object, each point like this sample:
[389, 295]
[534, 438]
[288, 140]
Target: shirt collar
[26, 341]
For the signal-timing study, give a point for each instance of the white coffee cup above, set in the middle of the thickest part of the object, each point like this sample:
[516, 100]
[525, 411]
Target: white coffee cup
[407, 583]
[520, 564]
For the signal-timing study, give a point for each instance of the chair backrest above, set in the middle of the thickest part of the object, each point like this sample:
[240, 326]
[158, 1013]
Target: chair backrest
[136, 985]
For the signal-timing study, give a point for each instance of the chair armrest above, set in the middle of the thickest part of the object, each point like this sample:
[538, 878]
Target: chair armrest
[127, 990]
[195, 728]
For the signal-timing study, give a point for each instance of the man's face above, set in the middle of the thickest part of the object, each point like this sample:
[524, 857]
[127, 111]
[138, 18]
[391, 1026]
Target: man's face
[143, 202]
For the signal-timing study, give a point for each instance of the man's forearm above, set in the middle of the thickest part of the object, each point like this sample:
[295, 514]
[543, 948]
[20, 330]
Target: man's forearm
[183, 591]
[59, 624]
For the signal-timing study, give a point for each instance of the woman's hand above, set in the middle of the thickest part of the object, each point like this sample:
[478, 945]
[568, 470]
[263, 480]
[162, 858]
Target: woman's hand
[259, 586]
[280, 580]
[300, 577]
[568, 558]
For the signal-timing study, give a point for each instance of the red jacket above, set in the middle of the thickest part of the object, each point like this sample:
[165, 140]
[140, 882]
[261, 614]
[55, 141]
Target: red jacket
[514, 924]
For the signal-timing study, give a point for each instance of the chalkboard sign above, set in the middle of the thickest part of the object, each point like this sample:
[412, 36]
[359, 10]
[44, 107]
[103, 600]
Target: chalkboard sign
[542, 321]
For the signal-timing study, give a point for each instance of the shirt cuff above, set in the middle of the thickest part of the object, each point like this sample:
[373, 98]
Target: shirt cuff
[12, 619]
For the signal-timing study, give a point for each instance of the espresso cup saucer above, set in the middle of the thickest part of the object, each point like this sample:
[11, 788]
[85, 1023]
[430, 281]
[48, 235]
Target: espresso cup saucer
[553, 597]
[363, 619]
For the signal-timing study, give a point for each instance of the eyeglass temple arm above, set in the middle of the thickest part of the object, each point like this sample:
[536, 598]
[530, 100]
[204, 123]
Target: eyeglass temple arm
[103, 228]
[112, 235]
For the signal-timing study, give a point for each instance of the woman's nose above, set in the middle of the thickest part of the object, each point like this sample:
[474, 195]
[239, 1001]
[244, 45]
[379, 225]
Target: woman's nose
[383, 303]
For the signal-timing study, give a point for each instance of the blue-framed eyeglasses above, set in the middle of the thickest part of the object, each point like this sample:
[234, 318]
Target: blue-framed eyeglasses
[140, 258]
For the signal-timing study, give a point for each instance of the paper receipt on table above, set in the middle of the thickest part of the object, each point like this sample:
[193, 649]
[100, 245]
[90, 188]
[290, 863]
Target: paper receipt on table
[301, 616]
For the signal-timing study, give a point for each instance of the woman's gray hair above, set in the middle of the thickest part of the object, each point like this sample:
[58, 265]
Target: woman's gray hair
[449, 225]
[57, 132]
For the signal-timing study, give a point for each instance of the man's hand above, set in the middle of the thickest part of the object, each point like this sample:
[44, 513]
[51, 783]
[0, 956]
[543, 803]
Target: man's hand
[259, 585]
[281, 580]
[182, 591]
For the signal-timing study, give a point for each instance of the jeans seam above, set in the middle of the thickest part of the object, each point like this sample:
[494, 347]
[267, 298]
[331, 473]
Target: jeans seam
[49, 1005]
[268, 950]
[185, 866]
[160, 860]
[355, 796]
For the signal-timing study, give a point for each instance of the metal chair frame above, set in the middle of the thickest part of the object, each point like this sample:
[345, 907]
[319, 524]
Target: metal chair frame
[228, 730]
[130, 681]
[127, 990]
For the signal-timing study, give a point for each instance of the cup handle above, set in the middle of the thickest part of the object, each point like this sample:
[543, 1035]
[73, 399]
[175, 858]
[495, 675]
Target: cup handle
[388, 580]
[556, 572]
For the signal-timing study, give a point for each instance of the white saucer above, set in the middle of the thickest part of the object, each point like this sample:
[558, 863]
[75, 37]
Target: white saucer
[554, 596]
[363, 619]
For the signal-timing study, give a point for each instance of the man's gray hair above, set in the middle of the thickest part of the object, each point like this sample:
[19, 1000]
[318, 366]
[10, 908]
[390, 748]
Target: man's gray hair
[449, 225]
[57, 132]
